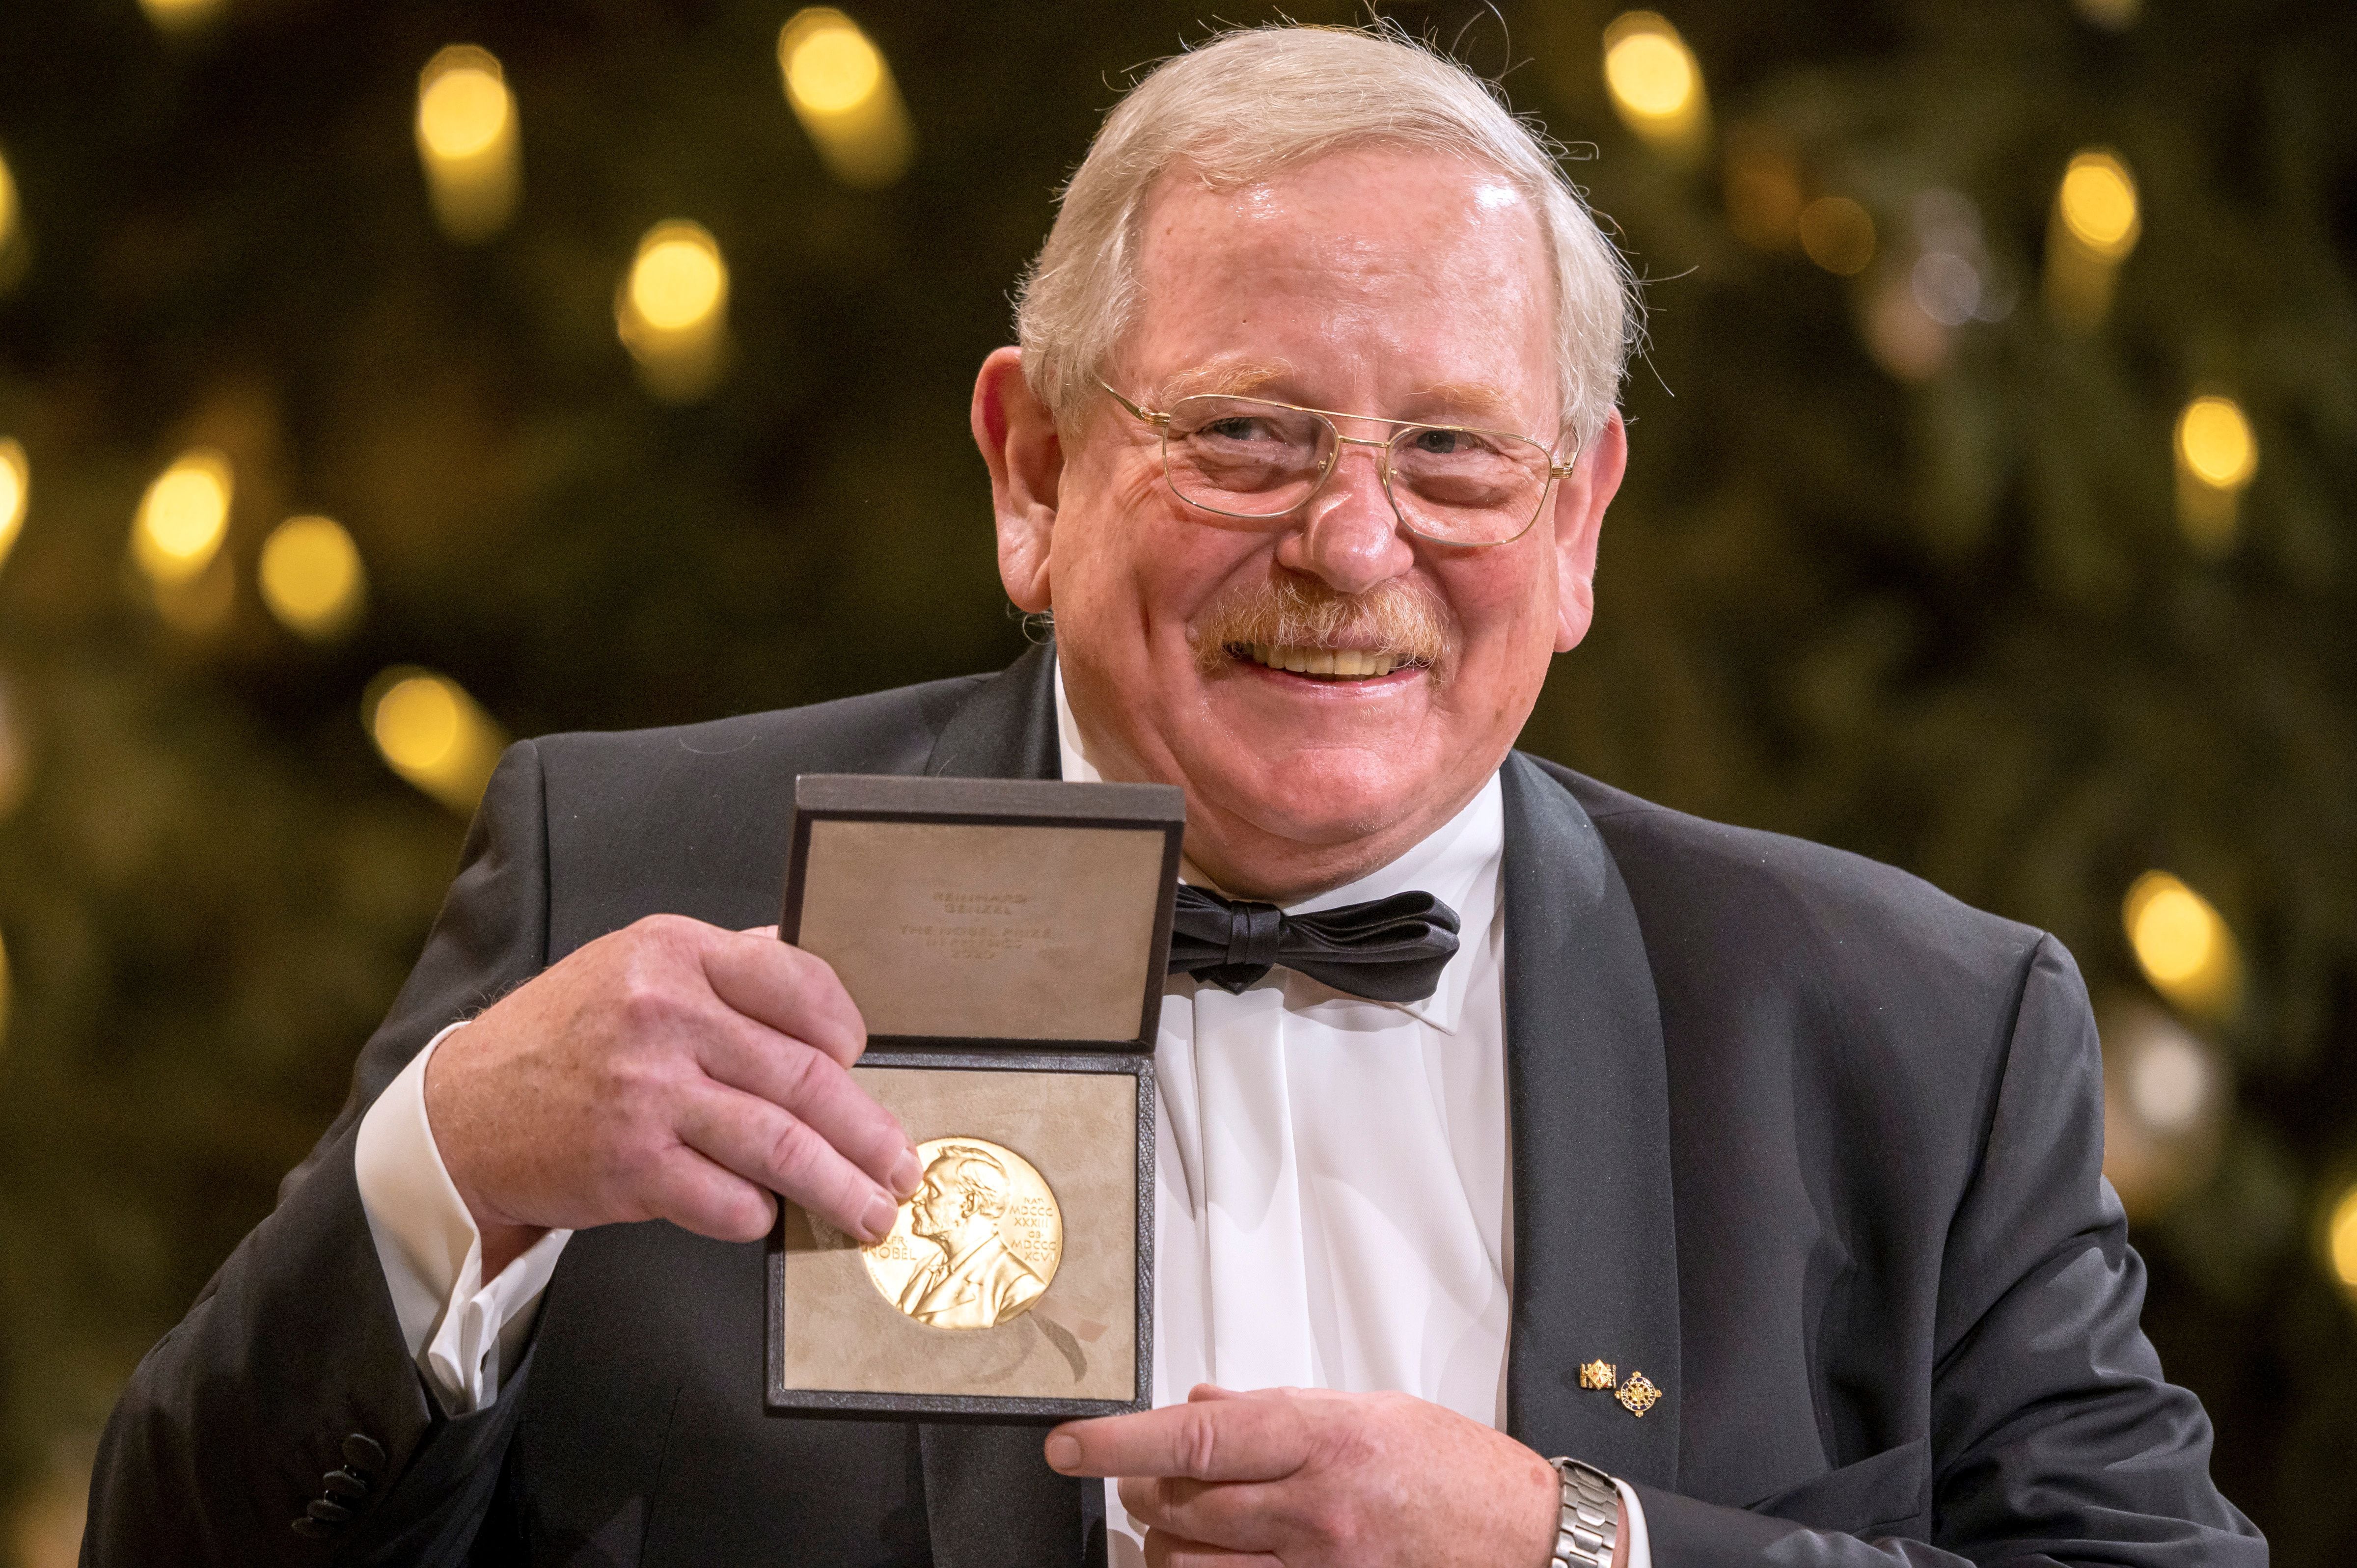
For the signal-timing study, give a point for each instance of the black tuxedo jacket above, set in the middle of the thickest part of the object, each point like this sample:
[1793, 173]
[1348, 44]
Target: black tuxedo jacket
[1810, 1144]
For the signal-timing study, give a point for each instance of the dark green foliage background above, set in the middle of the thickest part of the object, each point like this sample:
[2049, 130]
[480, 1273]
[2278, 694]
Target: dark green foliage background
[1950, 625]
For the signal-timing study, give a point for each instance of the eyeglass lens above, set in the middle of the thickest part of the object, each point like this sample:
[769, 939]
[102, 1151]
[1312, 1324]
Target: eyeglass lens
[1243, 457]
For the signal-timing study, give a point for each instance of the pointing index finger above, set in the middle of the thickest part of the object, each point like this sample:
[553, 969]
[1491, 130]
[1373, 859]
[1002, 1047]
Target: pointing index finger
[1204, 1440]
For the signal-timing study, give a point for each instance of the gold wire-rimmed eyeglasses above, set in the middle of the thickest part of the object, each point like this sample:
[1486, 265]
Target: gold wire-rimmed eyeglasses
[1255, 460]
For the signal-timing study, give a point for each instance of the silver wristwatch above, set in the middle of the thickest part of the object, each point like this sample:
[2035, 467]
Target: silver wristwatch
[1590, 1524]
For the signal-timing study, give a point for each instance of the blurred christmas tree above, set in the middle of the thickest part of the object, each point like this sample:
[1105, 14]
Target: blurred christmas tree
[637, 376]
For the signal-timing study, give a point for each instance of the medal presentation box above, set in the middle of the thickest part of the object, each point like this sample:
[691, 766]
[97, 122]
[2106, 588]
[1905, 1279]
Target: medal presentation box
[1005, 941]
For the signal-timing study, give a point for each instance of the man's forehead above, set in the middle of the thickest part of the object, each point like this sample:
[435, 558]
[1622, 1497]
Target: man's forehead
[1400, 164]
[1273, 377]
[1243, 285]
[1375, 208]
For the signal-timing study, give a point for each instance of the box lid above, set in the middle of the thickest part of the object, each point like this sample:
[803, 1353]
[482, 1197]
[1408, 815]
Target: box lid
[968, 911]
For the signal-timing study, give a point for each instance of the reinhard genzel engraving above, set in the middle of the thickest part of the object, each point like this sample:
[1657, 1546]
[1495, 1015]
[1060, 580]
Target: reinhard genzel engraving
[976, 1245]
[980, 927]
[987, 931]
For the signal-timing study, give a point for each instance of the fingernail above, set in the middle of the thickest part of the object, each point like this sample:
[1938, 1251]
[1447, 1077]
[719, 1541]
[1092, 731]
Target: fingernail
[881, 1212]
[907, 1174]
[1063, 1452]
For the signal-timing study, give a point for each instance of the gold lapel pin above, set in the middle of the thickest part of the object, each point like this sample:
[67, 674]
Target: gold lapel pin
[1598, 1374]
[1638, 1395]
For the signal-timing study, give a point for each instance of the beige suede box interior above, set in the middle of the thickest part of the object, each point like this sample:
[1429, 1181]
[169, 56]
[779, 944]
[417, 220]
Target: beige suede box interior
[839, 1333]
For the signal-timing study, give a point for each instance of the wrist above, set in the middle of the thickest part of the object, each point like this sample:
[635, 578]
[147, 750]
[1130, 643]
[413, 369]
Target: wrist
[1541, 1496]
[503, 1244]
[503, 1238]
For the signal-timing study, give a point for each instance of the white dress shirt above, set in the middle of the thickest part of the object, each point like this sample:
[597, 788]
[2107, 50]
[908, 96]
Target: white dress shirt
[1332, 1207]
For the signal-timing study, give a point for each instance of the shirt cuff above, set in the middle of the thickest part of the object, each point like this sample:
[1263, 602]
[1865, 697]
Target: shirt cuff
[460, 1330]
[1641, 1550]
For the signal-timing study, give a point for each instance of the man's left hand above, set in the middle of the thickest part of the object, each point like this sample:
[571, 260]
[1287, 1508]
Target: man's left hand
[1308, 1479]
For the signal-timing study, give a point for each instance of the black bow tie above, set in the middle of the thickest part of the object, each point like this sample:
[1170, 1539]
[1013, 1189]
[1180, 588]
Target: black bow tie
[1392, 949]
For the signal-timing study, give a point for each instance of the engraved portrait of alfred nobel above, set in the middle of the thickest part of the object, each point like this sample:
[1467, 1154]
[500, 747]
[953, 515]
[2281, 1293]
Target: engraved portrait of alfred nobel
[976, 1280]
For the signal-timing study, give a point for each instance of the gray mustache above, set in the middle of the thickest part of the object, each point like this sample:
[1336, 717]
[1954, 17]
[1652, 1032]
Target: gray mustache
[1404, 620]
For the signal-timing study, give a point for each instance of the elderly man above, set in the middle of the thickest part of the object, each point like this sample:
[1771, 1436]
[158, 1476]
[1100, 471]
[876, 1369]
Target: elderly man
[1726, 1200]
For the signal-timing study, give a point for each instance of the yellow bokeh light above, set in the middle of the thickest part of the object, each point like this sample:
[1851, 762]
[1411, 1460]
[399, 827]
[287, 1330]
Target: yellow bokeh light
[183, 518]
[830, 65]
[679, 280]
[2181, 943]
[467, 141]
[2097, 202]
[175, 14]
[417, 723]
[311, 576]
[1655, 84]
[15, 491]
[431, 732]
[462, 111]
[2340, 1237]
[2215, 444]
[671, 311]
[2174, 930]
[7, 204]
[1837, 234]
[841, 89]
[1651, 74]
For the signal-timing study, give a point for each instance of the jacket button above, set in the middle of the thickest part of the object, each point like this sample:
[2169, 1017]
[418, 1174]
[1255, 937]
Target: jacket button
[327, 1512]
[344, 1484]
[312, 1529]
[364, 1453]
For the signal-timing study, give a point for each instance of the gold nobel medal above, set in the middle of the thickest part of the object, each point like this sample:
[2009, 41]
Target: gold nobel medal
[976, 1245]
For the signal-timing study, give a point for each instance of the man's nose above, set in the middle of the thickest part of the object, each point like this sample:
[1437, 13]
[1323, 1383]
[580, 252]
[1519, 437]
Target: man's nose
[1349, 536]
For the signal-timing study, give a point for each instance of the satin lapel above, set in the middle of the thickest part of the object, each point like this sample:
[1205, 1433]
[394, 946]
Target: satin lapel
[1595, 1272]
[990, 1500]
[1007, 728]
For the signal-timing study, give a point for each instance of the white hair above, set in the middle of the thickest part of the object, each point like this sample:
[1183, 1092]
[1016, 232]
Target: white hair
[1256, 101]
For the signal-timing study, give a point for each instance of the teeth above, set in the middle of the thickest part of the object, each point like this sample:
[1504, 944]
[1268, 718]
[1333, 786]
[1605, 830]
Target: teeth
[1342, 663]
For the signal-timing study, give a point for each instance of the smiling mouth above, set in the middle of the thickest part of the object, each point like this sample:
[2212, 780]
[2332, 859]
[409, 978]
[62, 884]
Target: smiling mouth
[1323, 663]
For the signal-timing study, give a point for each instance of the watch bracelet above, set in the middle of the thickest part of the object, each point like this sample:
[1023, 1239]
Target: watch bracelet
[1588, 1525]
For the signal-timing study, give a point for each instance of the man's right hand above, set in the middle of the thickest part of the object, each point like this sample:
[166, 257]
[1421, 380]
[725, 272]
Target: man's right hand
[668, 1070]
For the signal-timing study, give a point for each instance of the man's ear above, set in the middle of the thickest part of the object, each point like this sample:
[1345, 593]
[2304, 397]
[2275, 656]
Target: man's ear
[1017, 437]
[1579, 503]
